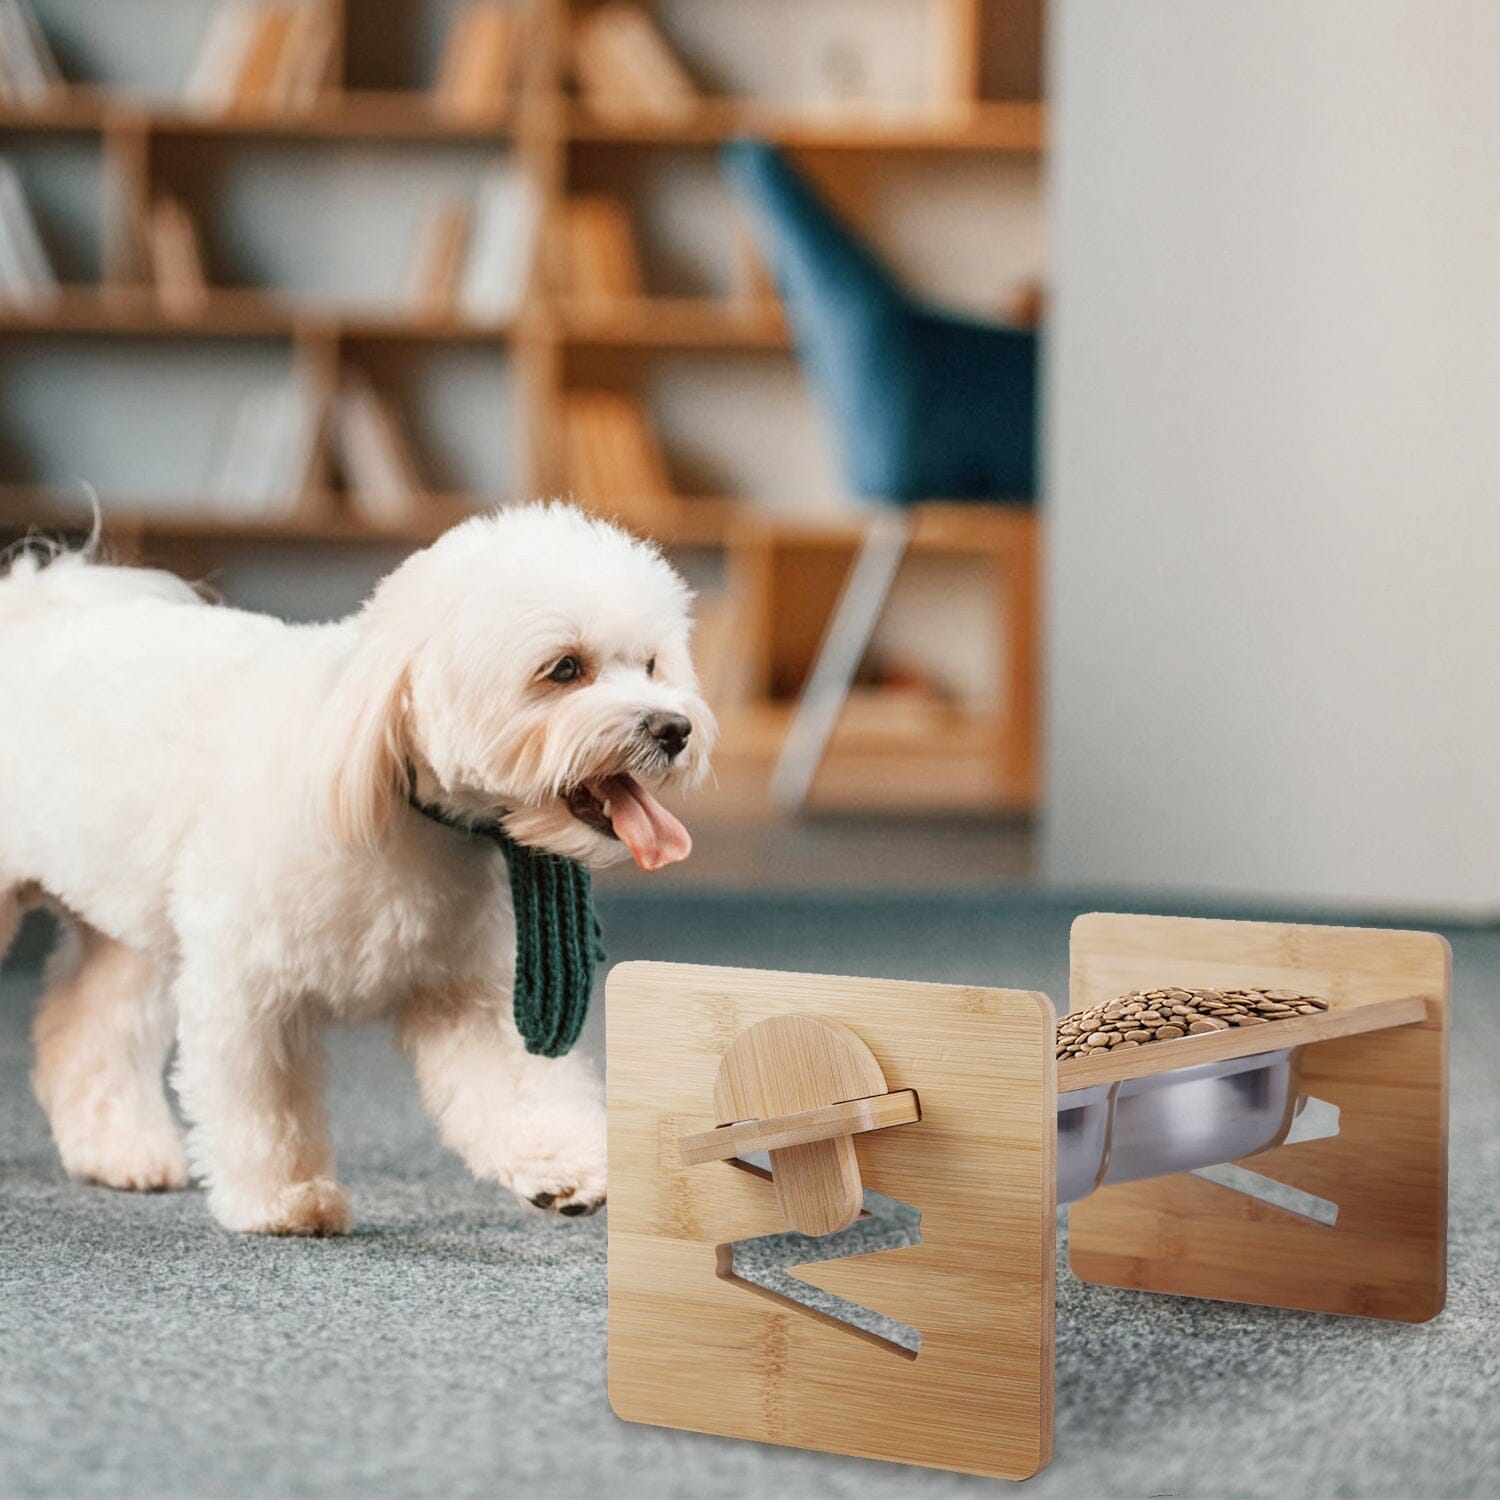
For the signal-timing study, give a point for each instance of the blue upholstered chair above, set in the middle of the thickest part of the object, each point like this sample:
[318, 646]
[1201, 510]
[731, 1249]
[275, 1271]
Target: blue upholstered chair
[927, 404]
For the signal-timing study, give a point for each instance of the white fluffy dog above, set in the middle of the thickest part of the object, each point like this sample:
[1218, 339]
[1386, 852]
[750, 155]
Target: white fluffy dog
[219, 804]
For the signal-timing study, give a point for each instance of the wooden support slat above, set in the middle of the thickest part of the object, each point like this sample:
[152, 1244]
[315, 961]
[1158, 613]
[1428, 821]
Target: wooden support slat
[853, 1117]
[1340, 1019]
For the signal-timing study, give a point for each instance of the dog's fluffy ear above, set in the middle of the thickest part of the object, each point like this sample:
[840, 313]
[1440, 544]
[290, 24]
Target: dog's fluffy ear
[365, 749]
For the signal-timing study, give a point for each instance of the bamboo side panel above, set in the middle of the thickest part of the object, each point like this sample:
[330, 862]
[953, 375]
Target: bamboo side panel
[1386, 1169]
[689, 1348]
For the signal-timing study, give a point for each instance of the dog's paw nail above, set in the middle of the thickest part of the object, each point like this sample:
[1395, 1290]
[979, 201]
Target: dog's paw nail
[544, 1200]
[574, 1210]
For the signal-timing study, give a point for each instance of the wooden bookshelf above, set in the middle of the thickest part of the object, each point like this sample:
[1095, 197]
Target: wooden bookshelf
[782, 578]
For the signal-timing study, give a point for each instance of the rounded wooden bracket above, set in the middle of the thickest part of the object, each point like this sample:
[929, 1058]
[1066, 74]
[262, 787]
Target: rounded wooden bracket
[802, 1087]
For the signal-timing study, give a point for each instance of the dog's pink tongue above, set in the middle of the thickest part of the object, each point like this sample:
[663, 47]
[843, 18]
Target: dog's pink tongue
[653, 836]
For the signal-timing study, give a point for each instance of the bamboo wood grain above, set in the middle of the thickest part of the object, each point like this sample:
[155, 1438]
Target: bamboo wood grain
[853, 1117]
[1386, 1169]
[691, 1346]
[797, 1063]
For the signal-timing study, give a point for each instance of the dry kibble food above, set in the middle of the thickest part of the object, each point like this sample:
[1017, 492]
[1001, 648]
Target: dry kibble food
[1145, 1016]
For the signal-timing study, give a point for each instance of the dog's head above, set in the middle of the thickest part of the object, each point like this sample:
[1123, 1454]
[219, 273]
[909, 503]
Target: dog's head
[531, 665]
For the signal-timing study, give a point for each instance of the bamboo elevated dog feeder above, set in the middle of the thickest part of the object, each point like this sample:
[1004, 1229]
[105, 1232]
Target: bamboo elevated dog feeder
[950, 1099]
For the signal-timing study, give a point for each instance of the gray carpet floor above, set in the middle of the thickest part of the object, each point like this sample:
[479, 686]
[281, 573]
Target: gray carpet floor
[454, 1346]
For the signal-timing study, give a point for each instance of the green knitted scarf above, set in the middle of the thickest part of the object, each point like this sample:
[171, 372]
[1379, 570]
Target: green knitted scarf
[558, 937]
[558, 943]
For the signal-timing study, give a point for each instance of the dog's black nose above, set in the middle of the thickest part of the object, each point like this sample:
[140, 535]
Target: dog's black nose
[670, 731]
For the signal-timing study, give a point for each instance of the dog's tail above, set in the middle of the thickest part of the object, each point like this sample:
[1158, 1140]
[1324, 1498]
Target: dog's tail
[39, 573]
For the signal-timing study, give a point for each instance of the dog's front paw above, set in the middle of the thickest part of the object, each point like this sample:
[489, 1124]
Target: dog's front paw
[572, 1201]
[137, 1163]
[568, 1178]
[316, 1207]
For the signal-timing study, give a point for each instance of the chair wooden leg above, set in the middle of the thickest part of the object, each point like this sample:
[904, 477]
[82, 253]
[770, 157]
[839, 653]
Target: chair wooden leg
[1020, 584]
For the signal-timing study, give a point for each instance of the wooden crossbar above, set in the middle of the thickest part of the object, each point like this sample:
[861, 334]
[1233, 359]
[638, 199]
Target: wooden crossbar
[1348, 1018]
[853, 1117]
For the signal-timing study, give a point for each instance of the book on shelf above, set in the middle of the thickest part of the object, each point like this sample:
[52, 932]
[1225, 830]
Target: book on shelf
[613, 460]
[221, 55]
[269, 39]
[29, 74]
[174, 253]
[501, 245]
[375, 455]
[268, 465]
[625, 69]
[473, 257]
[263, 56]
[26, 274]
[599, 254]
[479, 61]
[438, 261]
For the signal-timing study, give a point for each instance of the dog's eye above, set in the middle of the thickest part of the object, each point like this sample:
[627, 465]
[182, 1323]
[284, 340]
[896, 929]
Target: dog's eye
[566, 670]
[651, 667]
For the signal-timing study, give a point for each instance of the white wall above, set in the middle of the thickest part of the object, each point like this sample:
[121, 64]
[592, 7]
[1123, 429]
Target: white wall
[1274, 450]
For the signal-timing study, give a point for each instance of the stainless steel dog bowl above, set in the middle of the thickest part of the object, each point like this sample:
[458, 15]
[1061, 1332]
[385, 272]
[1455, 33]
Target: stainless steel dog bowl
[1173, 1122]
[1082, 1140]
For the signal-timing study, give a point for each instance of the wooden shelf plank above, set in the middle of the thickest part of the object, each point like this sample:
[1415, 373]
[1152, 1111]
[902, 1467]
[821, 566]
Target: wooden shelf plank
[395, 114]
[700, 522]
[938, 528]
[71, 109]
[1017, 126]
[228, 312]
[25, 507]
[410, 114]
[398, 114]
[137, 310]
[674, 323]
[396, 326]
[333, 528]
